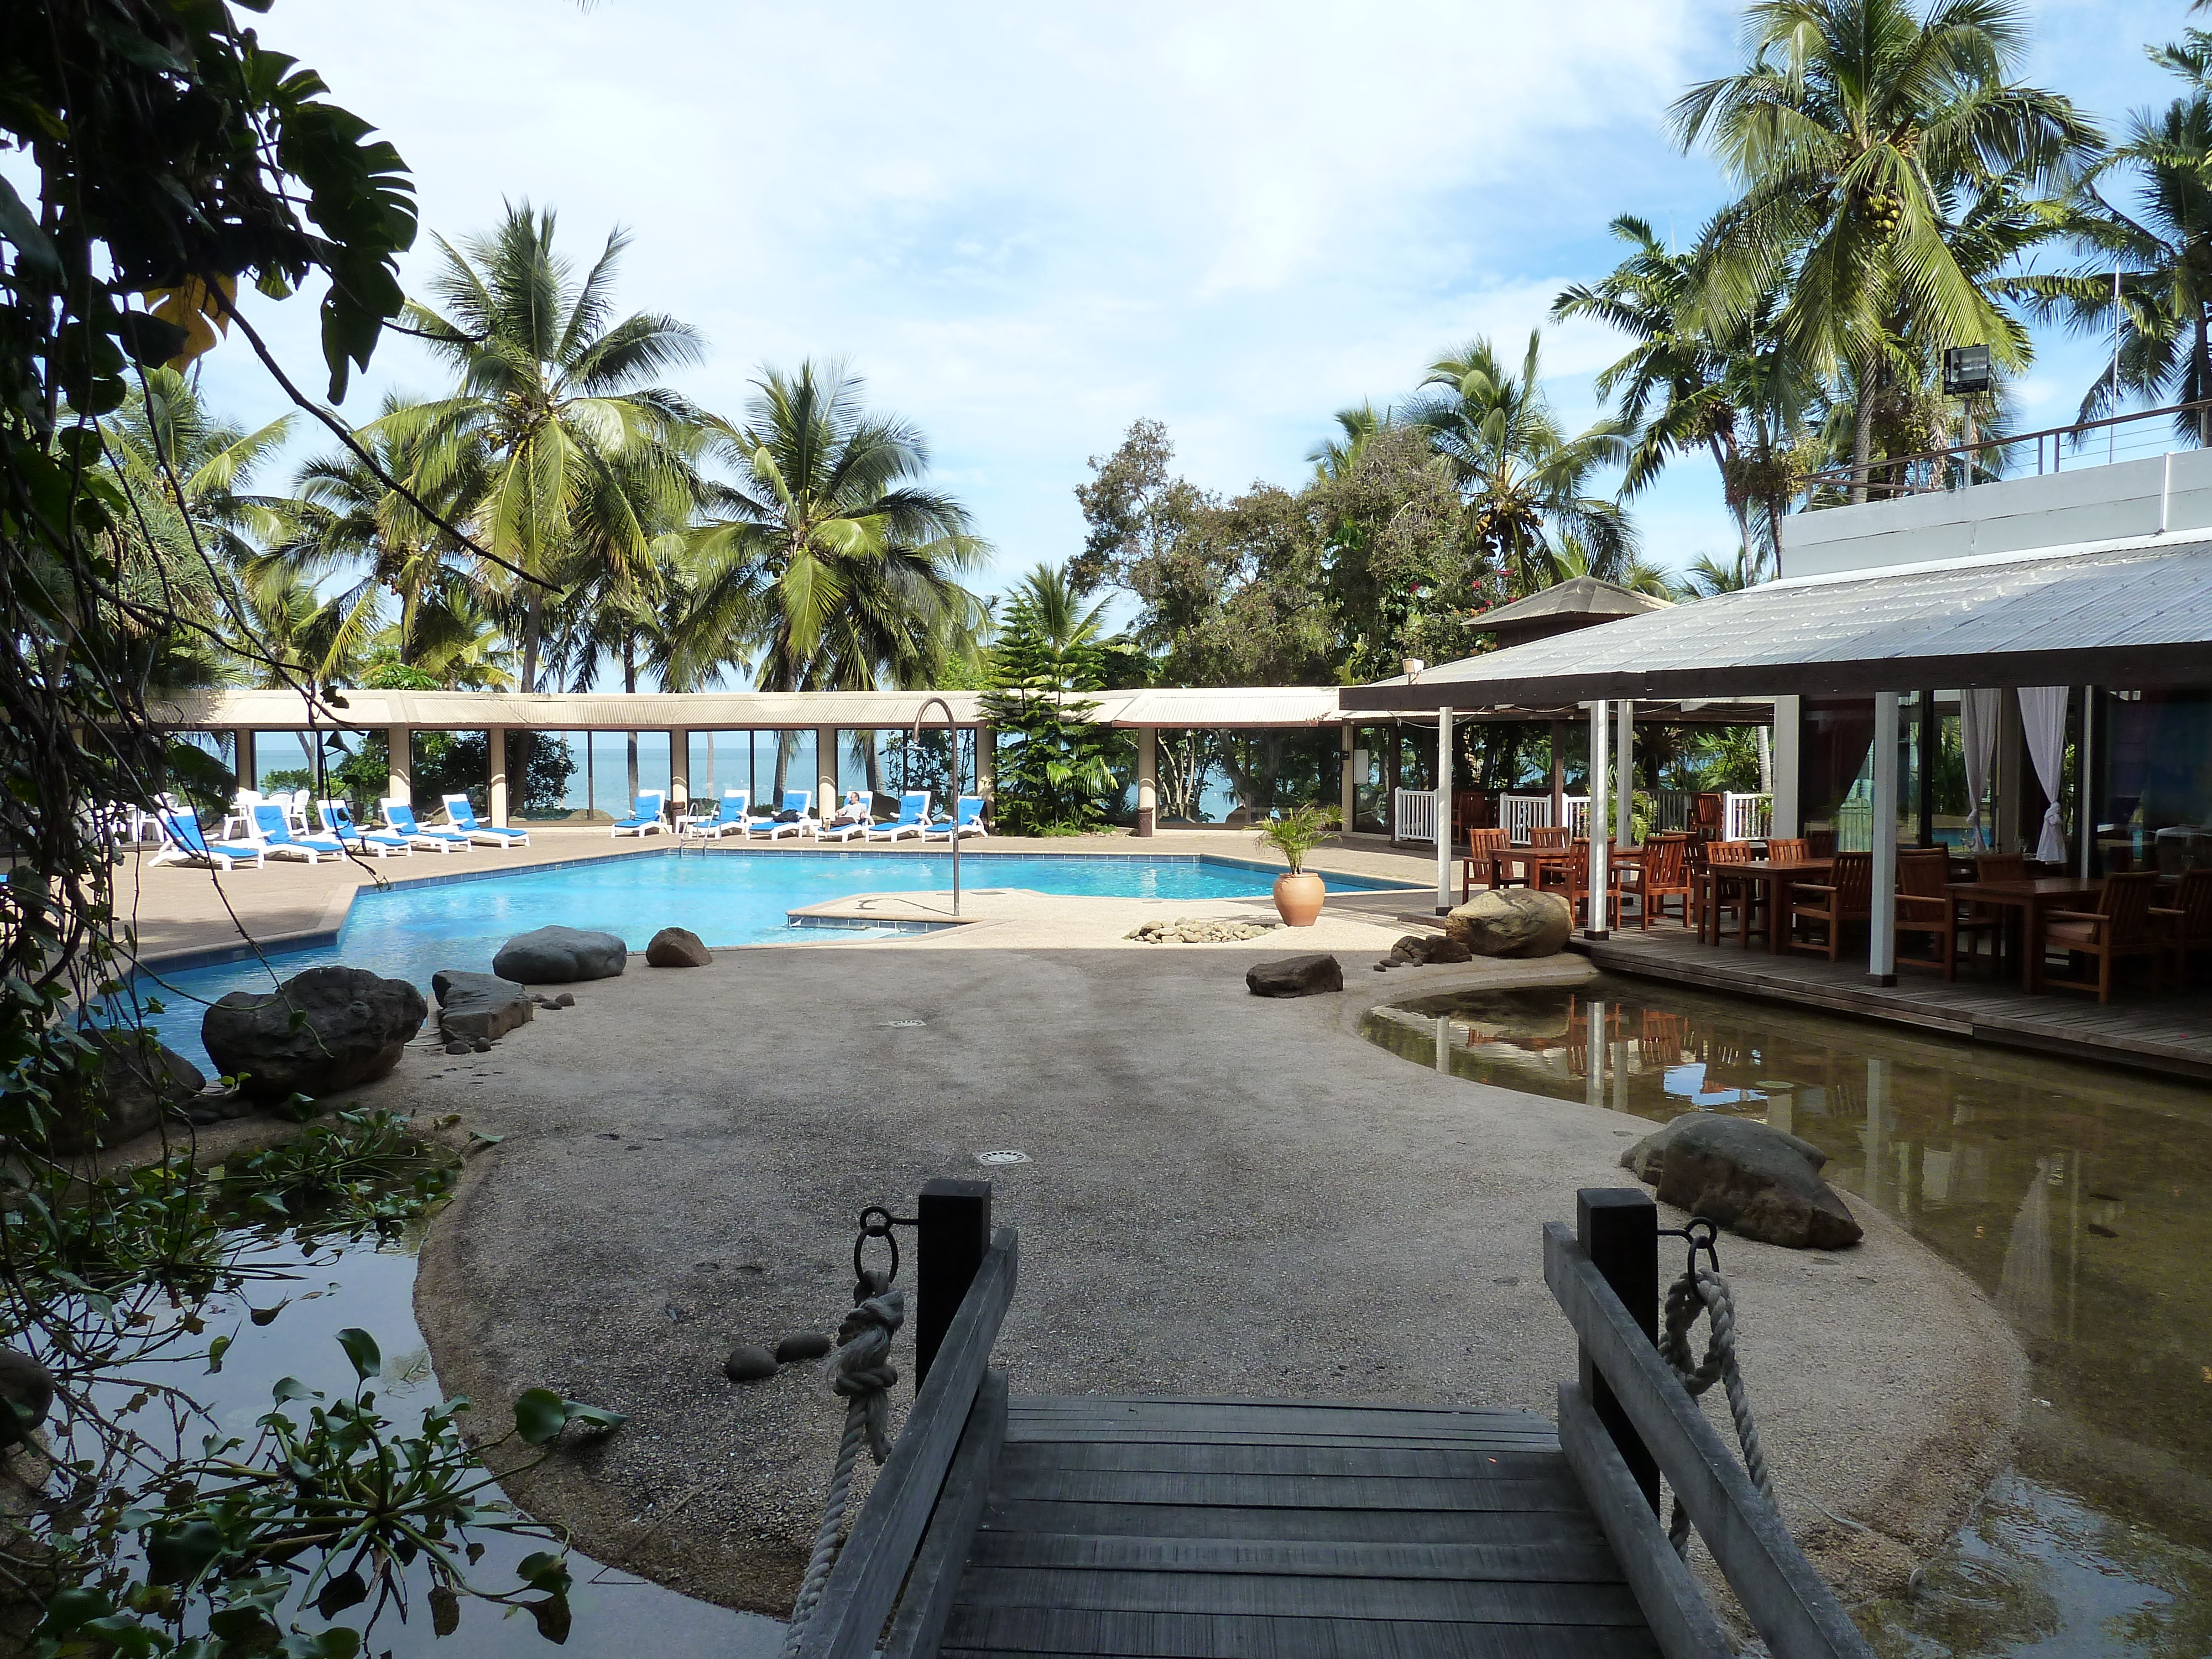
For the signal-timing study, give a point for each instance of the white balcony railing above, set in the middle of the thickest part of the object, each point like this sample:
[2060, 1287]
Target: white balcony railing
[1413, 815]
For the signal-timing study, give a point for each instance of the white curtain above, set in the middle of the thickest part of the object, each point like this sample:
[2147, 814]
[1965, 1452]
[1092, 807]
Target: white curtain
[2043, 718]
[1978, 736]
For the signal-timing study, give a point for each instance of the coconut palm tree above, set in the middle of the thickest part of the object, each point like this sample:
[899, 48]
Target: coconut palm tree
[577, 436]
[1527, 485]
[1335, 458]
[1850, 132]
[2161, 245]
[825, 561]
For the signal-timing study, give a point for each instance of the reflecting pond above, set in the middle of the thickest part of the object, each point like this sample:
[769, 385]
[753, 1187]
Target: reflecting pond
[2075, 1196]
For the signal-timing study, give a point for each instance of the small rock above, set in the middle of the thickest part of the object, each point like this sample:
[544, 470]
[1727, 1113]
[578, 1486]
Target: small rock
[806, 1345]
[135, 1078]
[555, 956]
[566, 1000]
[677, 947]
[482, 1045]
[1295, 976]
[749, 1363]
[458, 1048]
[1750, 1178]
[204, 1117]
[28, 1392]
[473, 1005]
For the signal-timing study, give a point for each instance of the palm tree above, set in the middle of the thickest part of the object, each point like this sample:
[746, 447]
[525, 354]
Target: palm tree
[1527, 485]
[1335, 458]
[578, 440]
[1851, 133]
[826, 561]
[2161, 244]
[347, 518]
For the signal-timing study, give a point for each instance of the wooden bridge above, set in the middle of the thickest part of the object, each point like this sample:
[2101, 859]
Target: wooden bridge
[1308, 1530]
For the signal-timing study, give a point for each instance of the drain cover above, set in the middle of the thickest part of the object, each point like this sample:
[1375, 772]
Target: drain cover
[898, 1024]
[1004, 1155]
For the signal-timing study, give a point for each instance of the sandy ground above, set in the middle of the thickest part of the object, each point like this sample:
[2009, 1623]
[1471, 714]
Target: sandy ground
[1226, 1196]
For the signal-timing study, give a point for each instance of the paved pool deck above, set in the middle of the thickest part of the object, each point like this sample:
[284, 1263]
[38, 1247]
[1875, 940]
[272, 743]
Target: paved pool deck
[182, 911]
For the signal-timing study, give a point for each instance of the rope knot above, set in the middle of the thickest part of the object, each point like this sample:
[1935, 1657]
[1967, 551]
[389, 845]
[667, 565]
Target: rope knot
[858, 1368]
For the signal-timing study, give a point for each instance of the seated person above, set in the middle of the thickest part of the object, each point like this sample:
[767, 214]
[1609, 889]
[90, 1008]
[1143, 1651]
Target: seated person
[855, 809]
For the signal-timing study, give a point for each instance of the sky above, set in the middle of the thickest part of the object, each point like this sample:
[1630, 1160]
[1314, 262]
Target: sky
[1029, 226]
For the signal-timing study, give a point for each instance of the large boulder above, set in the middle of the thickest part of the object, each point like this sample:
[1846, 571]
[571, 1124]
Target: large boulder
[557, 955]
[677, 947]
[473, 1005]
[351, 1027]
[135, 1080]
[1512, 921]
[1750, 1178]
[1295, 976]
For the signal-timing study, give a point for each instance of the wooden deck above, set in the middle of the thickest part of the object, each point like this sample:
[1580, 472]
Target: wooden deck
[1206, 1528]
[2169, 1033]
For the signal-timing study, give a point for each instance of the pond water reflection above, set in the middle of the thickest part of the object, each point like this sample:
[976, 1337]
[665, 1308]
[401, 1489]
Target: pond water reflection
[2080, 1199]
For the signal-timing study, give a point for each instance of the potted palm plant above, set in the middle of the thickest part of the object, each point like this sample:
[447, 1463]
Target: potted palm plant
[1298, 892]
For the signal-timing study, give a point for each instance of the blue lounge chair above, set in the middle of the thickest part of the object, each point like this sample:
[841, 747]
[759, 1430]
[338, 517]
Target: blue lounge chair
[399, 819]
[644, 817]
[462, 817]
[913, 818]
[968, 821]
[183, 842]
[841, 828]
[272, 828]
[800, 801]
[337, 821]
[728, 818]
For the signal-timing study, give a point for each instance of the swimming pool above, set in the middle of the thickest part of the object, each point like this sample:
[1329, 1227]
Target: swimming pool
[411, 929]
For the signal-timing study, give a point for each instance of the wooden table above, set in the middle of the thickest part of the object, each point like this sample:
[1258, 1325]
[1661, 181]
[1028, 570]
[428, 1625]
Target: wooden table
[1773, 880]
[2030, 899]
[1532, 864]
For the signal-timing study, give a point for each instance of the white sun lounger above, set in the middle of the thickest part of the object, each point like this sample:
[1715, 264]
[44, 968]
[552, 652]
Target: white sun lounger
[272, 828]
[843, 827]
[399, 819]
[727, 819]
[913, 818]
[462, 815]
[968, 821]
[644, 817]
[800, 801]
[183, 842]
[337, 821]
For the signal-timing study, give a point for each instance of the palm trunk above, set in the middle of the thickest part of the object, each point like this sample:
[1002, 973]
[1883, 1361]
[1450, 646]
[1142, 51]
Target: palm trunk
[530, 618]
[875, 755]
[1861, 438]
[2203, 368]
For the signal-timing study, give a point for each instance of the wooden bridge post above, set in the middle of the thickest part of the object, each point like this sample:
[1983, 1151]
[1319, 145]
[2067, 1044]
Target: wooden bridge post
[952, 1234]
[1619, 1228]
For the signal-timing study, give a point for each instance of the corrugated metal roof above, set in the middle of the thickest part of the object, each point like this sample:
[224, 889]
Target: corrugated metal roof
[1220, 705]
[1577, 595]
[2136, 615]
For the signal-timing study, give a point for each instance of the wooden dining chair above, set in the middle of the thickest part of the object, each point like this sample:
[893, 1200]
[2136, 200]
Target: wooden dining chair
[1576, 886]
[1925, 906]
[1999, 867]
[1795, 850]
[2120, 927]
[1553, 836]
[1844, 897]
[1715, 896]
[1663, 874]
[1480, 844]
[2187, 920]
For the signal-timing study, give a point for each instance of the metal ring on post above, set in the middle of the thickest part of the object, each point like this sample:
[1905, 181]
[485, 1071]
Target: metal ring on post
[877, 1222]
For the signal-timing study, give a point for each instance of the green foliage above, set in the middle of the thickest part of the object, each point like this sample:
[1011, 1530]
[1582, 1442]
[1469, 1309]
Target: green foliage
[1054, 765]
[1296, 833]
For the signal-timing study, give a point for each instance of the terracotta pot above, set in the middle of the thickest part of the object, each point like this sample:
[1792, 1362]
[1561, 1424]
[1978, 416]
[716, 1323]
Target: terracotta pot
[1298, 897]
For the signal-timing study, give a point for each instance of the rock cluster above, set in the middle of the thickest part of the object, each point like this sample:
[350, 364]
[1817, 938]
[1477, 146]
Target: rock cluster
[1418, 949]
[1512, 921]
[1188, 929]
[1295, 976]
[478, 1008]
[325, 1029]
[557, 955]
[1750, 1178]
[749, 1362]
[135, 1080]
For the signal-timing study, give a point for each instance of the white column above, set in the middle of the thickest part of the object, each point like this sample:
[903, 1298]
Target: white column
[1789, 713]
[1594, 1044]
[826, 795]
[398, 784]
[1444, 810]
[1347, 779]
[2085, 776]
[1600, 807]
[1624, 766]
[680, 765]
[1148, 777]
[1882, 899]
[496, 749]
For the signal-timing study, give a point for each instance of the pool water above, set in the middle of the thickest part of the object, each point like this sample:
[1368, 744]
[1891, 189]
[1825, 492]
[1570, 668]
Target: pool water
[2078, 1198]
[411, 930]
